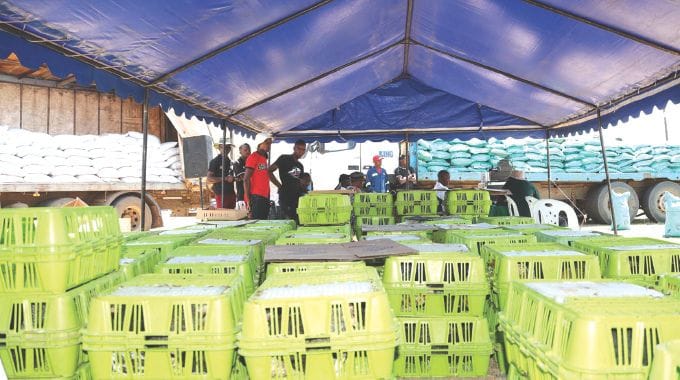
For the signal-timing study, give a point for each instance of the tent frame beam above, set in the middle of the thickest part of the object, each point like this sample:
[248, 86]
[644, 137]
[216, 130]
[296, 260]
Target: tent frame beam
[407, 35]
[314, 79]
[240, 41]
[645, 41]
[505, 74]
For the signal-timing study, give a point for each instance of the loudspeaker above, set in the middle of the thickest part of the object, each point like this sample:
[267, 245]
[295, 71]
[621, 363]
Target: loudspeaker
[197, 152]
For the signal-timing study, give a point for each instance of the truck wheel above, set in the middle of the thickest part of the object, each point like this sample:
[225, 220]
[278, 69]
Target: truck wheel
[57, 202]
[129, 206]
[598, 202]
[652, 200]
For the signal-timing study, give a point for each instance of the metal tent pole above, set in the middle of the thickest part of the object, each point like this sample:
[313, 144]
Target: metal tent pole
[224, 157]
[145, 132]
[606, 171]
[547, 150]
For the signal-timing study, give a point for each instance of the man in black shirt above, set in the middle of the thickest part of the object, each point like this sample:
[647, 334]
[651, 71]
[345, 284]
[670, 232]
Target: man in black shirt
[215, 175]
[290, 168]
[405, 175]
[240, 170]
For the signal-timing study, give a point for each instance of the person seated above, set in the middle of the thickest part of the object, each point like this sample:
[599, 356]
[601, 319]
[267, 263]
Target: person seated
[357, 181]
[343, 182]
[519, 189]
[443, 178]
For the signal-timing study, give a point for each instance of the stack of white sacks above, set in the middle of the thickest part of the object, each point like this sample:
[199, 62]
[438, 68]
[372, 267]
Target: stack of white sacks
[40, 158]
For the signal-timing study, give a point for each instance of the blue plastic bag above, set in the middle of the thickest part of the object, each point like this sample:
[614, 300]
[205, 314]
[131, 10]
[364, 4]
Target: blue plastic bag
[621, 210]
[672, 205]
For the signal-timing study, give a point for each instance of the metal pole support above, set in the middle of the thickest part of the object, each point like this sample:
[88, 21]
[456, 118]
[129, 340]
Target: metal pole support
[606, 171]
[145, 140]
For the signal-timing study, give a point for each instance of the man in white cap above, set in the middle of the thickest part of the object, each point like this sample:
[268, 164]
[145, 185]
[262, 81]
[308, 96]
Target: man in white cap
[256, 179]
[216, 171]
[377, 179]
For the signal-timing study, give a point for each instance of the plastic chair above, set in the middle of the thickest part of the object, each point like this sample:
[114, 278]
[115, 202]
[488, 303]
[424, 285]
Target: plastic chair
[512, 206]
[548, 212]
[531, 201]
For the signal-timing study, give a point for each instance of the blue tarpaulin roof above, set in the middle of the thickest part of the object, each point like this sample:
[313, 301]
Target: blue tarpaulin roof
[366, 68]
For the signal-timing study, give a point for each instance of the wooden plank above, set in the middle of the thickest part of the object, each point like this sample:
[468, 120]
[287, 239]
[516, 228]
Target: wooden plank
[110, 120]
[10, 105]
[132, 116]
[87, 113]
[354, 251]
[155, 121]
[34, 108]
[61, 112]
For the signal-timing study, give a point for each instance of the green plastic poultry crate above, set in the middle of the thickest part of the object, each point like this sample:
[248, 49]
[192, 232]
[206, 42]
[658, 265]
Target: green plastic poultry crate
[476, 239]
[443, 347]
[324, 209]
[40, 332]
[282, 327]
[566, 236]
[468, 202]
[670, 284]
[666, 363]
[535, 262]
[506, 220]
[186, 327]
[44, 249]
[640, 260]
[586, 329]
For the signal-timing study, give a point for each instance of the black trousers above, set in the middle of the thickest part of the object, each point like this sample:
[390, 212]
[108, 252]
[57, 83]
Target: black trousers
[289, 207]
[259, 207]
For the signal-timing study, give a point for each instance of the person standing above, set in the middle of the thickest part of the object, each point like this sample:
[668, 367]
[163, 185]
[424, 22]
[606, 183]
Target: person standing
[443, 178]
[377, 179]
[290, 168]
[256, 178]
[216, 172]
[240, 171]
[519, 189]
[405, 175]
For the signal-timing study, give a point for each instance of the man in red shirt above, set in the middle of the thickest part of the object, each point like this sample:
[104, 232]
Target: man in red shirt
[256, 179]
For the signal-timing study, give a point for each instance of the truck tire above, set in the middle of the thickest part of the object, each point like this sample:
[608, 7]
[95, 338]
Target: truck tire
[597, 204]
[57, 202]
[129, 206]
[652, 200]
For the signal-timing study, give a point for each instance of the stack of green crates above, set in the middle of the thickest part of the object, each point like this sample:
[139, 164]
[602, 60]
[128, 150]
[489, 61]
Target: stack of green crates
[476, 238]
[525, 263]
[324, 209]
[566, 236]
[416, 203]
[640, 260]
[372, 209]
[165, 326]
[438, 296]
[319, 324]
[586, 329]
[52, 261]
[474, 203]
